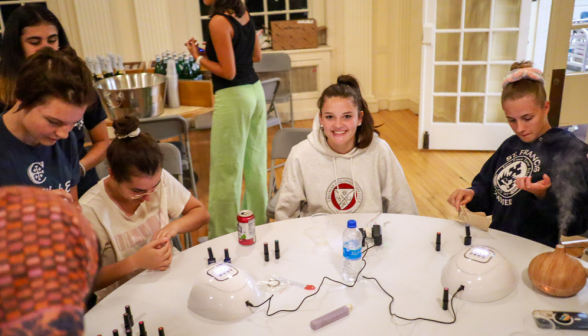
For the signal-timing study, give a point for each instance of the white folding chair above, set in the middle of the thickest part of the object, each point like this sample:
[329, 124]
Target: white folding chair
[578, 51]
[270, 89]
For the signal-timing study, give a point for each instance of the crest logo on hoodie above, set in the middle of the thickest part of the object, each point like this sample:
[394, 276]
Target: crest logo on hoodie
[342, 197]
[520, 164]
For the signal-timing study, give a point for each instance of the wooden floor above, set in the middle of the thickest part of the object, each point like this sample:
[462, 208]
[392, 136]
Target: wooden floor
[432, 175]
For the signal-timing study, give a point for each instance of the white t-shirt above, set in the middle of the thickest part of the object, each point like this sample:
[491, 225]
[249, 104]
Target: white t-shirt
[120, 235]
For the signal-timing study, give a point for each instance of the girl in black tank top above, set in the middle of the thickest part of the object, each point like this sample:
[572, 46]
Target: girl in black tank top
[238, 145]
[243, 45]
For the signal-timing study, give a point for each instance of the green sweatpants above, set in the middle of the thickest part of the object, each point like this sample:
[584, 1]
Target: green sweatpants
[238, 145]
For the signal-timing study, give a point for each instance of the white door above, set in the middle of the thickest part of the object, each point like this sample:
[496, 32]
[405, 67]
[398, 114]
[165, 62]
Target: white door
[566, 62]
[468, 47]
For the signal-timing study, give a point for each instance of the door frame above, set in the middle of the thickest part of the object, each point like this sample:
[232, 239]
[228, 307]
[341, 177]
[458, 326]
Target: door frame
[470, 136]
[563, 108]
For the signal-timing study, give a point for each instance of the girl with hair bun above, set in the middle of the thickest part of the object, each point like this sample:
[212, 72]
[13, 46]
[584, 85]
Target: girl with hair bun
[133, 209]
[535, 184]
[343, 166]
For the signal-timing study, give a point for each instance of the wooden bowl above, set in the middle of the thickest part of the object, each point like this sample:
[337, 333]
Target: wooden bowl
[557, 274]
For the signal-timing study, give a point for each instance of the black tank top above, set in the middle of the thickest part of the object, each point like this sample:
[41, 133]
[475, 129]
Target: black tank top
[243, 45]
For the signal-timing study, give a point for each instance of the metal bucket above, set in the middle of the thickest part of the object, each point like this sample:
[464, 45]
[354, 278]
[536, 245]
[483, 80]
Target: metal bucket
[141, 95]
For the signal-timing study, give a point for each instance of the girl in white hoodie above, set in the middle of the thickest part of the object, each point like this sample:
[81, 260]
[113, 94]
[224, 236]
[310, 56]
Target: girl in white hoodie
[343, 166]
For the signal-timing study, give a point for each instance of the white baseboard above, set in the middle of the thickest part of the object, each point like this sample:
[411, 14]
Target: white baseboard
[383, 104]
[396, 103]
[373, 103]
[414, 104]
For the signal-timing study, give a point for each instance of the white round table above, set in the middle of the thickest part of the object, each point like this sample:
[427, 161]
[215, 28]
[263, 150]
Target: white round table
[406, 265]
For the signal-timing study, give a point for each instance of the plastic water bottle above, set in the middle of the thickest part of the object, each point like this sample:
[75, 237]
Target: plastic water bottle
[351, 252]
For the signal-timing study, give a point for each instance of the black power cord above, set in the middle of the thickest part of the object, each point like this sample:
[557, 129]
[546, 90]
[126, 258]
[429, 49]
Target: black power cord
[269, 300]
[419, 318]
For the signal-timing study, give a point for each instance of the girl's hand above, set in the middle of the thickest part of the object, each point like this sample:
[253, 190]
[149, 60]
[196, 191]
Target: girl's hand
[152, 257]
[539, 189]
[64, 194]
[461, 197]
[193, 48]
[169, 231]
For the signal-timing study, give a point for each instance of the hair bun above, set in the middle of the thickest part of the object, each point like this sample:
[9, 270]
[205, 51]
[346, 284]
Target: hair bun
[521, 65]
[125, 125]
[348, 80]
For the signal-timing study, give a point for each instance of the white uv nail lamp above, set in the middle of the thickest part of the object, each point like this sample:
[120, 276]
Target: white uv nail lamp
[485, 273]
[220, 292]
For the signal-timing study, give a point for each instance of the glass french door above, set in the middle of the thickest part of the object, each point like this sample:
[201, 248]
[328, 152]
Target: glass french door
[468, 47]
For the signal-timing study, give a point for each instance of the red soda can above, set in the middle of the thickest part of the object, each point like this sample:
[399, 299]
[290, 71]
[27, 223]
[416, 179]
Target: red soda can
[246, 227]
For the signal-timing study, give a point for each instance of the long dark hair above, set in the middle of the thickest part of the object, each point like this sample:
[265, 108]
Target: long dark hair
[12, 56]
[348, 87]
[236, 7]
[132, 156]
[57, 74]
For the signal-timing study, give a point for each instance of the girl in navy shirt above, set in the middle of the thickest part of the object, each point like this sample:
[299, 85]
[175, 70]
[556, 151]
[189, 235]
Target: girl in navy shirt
[52, 92]
[536, 183]
[28, 29]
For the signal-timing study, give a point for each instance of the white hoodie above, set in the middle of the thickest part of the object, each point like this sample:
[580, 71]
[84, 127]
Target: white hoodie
[316, 179]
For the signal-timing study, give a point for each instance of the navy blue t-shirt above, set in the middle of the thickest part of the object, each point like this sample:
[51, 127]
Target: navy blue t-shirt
[48, 167]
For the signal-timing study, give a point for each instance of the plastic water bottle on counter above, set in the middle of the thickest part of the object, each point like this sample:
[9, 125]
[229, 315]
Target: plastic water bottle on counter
[352, 262]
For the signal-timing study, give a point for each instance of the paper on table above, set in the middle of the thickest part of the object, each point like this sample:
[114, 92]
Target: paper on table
[476, 219]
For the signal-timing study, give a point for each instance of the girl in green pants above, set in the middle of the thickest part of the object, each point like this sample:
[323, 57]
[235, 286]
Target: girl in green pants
[238, 144]
[239, 131]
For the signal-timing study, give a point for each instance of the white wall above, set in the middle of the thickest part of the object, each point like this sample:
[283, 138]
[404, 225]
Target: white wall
[125, 27]
[397, 36]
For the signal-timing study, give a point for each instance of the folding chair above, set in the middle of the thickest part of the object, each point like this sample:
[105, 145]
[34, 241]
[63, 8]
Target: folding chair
[270, 88]
[161, 128]
[282, 144]
[172, 162]
[277, 65]
[578, 51]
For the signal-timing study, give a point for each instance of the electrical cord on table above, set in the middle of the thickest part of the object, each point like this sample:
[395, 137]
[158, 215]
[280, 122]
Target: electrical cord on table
[269, 301]
[364, 253]
[419, 318]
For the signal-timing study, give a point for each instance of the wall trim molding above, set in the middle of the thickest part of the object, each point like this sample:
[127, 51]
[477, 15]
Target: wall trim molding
[398, 102]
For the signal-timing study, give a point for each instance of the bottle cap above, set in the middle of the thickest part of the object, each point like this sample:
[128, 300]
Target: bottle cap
[351, 224]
